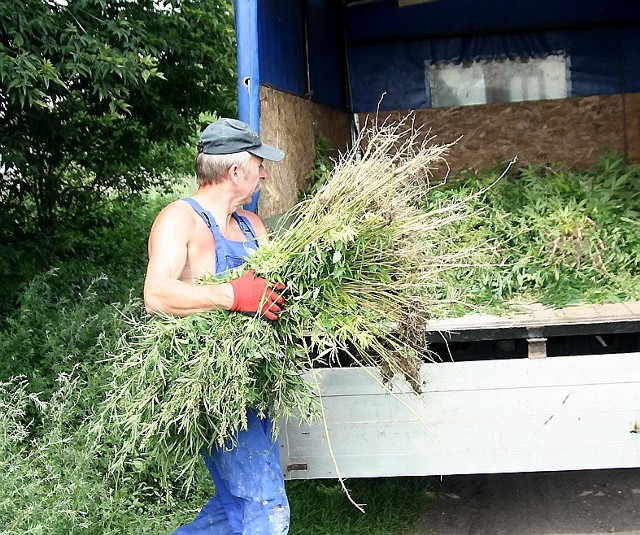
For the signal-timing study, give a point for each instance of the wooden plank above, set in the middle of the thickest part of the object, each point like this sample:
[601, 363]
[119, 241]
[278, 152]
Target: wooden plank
[634, 307]
[438, 464]
[560, 413]
[539, 321]
[449, 408]
[536, 314]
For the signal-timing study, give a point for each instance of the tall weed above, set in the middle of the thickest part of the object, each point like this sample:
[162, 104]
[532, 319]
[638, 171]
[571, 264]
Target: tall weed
[52, 331]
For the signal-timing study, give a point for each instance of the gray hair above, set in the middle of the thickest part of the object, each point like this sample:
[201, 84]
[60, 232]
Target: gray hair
[212, 168]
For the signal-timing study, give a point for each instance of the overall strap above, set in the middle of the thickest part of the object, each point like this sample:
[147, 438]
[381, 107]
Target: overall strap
[228, 253]
[206, 216]
[245, 225]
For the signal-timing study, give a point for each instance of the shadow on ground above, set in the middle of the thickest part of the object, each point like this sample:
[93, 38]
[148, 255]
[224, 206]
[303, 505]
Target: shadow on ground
[543, 503]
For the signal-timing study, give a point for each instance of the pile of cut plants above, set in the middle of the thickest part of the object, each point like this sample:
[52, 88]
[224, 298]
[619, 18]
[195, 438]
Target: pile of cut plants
[362, 270]
[562, 237]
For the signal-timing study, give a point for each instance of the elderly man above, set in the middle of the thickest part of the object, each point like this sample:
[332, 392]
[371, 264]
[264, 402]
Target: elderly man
[208, 233]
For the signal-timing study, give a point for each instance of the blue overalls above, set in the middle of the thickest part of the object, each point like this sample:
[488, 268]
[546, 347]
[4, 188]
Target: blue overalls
[251, 497]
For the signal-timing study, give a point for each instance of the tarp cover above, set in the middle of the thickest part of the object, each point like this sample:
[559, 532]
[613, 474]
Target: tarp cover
[389, 46]
[383, 20]
[601, 61]
[286, 62]
[303, 45]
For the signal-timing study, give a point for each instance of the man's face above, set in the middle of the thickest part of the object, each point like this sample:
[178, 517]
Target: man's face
[254, 174]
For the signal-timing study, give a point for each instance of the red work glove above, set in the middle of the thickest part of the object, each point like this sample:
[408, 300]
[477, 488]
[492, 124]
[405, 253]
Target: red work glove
[253, 295]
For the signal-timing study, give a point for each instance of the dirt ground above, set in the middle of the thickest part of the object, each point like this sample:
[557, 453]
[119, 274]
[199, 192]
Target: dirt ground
[548, 503]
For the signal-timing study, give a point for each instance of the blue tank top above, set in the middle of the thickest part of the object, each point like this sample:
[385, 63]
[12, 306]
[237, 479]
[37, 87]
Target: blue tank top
[229, 253]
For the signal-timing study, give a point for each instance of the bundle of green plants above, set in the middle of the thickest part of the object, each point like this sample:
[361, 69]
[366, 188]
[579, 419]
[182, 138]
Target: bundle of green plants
[563, 237]
[360, 270]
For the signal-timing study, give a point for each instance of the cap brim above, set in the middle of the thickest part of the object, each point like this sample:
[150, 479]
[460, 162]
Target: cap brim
[268, 152]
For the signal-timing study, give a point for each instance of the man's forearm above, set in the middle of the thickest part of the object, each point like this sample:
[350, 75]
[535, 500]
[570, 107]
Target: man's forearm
[182, 299]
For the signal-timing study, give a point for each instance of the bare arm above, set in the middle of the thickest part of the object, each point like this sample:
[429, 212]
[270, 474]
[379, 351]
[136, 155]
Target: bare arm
[164, 288]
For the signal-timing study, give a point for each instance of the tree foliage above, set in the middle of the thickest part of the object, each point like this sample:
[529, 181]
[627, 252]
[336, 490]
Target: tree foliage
[95, 94]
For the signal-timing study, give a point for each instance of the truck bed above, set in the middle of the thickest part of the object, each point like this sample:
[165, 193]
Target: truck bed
[482, 414]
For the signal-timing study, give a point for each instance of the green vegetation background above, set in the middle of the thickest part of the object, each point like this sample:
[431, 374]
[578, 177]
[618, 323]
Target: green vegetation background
[101, 104]
[560, 237]
[53, 342]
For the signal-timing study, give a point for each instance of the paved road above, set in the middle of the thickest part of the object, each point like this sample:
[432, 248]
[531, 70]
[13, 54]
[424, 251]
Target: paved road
[550, 503]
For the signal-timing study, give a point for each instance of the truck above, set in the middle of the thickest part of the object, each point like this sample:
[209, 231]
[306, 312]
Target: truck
[542, 390]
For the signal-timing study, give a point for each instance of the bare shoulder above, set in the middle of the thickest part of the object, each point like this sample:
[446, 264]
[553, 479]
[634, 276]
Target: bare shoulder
[255, 220]
[177, 213]
[177, 208]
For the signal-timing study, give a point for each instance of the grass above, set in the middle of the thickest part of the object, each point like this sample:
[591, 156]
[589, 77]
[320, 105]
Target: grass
[394, 506]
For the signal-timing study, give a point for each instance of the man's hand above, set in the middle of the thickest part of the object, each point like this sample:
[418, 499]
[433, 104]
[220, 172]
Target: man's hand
[253, 295]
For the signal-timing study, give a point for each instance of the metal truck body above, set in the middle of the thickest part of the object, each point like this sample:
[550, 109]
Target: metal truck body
[543, 390]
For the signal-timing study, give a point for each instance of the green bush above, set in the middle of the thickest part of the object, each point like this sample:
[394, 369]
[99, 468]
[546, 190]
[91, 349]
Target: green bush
[56, 484]
[109, 240]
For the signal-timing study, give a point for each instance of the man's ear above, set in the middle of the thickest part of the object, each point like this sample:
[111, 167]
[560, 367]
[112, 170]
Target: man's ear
[232, 172]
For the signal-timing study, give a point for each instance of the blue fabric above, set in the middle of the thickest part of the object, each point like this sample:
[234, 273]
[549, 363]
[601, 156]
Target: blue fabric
[349, 56]
[251, 498]
[301, 49]
[385, 21]
[229, 253]
[602, 61]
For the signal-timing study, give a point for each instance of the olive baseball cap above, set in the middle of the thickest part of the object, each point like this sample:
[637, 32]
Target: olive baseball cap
[228, 136]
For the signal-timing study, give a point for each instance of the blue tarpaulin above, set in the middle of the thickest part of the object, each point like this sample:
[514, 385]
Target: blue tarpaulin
[602, 61]
[384, 20]
[347, 55]
[389, 46]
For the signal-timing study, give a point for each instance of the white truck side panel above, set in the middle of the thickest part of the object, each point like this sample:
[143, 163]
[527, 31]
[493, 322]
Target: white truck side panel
[488, 416]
